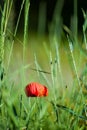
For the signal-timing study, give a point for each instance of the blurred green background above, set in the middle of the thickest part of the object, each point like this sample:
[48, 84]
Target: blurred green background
[45, 13]
[48, 36]
[47, 20]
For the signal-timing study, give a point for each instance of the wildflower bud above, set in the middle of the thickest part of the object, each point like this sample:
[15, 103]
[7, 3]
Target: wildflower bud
[36, 90]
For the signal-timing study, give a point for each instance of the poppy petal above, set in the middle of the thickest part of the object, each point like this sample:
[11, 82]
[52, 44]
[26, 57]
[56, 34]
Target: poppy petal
[35, 89]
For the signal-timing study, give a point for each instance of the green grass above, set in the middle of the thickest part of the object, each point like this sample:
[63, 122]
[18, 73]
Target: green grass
[65, 60]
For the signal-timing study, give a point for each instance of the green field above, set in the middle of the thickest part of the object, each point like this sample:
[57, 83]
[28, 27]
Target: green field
[57, 61]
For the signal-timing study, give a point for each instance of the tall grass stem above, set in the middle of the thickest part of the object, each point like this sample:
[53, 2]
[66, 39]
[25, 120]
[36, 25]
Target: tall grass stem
[15, 32]
[27, 5]
[73, 60]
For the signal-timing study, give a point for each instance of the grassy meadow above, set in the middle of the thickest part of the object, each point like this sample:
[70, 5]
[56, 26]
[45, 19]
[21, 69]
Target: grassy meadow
[58, 61]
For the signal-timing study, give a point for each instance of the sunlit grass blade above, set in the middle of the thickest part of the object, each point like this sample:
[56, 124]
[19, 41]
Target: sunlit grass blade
[73, 60]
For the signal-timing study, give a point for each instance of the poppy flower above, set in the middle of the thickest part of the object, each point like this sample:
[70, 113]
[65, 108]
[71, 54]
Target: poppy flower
[35, 89]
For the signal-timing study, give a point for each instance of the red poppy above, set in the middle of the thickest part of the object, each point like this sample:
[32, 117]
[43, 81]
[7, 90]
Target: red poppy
[36, 90]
